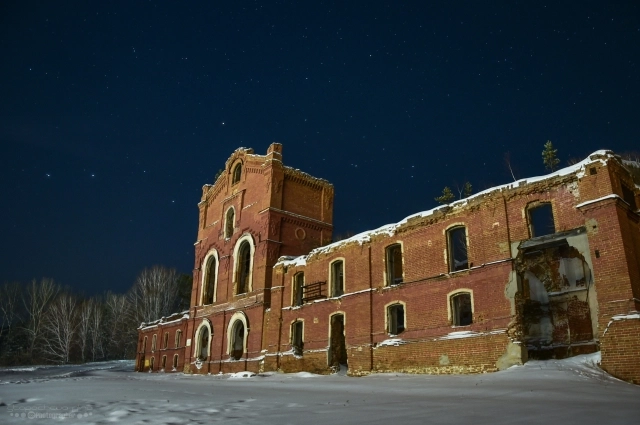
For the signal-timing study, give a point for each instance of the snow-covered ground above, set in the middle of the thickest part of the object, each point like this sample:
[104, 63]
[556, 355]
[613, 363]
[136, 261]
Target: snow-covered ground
[565, 391]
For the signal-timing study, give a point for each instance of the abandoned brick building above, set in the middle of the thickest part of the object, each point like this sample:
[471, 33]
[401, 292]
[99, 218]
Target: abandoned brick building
[538, 268]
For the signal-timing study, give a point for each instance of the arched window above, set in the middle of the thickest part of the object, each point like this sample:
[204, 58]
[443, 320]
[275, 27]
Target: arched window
[337, 278]
[153, 342]
[461, 309]
[229, 223]
[202, 349]
[297, 337]
[393, 255]
[237, 340]
[152, 361]
[178, 337]
[457, 247]
[237, 173]
[144, 345]
[298, 289]
[165, 342]
[209, 281]
[244, 267]
[164, 362]
[175, 361]
[395, 319]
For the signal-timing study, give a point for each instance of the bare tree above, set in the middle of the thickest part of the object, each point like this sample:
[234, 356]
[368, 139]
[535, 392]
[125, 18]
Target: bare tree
[121, 325]
[85, 316]
[155, 294]
[10, 294]
[96, 331]
[60, 328]
[36, 299]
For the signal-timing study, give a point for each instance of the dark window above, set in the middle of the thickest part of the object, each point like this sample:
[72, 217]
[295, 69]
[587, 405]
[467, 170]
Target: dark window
[237, 173]
[297, 344]
[164, 362]
[229, 223]
[458, 254]
[395, 319]
[165, 343]
[237, 340]
[175, 361]
[144, 345]
[337, 278]
[298, 289]
[244, 266]
[153, 360]
[629, 197]
[203, 343]
[461, 309]
[178, 337]
[394, 264]
[209, 281]
[153, 342]
[541, 220]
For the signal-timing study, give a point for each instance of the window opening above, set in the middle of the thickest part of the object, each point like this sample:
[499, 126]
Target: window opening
[298, 289]
[461, 309]
[165, 343]
[237, 341]
[337, 345]
[153, 342]
[178, 337]
[244, 265]
[395, 319]
[210, 281]
[458, 253]
[337, 278]
[297, 344]
[541, 220]
[164, 362]
[394, 264]
[237, 173]
[152, 361]
[629, 197]
[229, 223]
[175, 361]
[203, 343]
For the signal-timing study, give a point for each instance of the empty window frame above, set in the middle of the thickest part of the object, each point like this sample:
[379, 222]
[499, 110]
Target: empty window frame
[461, 309]
[153, 342]
[393, 255]
[175, 361]
[237, 340]
[209, 281]
[297, 337]
[229, 223]
[152, 360]
[629, 197]
[165, 342]
[237, 173]
[541, 220]
[395, 319]
[144, 345]
[178, 337]
[243, 271]
[202, 349]
[457, 246]
[337, 278]
[298, 289]
[164, 362]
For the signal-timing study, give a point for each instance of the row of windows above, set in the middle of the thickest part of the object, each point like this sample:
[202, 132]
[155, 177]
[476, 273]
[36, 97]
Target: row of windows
[164, 363]
[237, 333]
[243, 256]
[165, 341]
[540, 221]
[461, 308]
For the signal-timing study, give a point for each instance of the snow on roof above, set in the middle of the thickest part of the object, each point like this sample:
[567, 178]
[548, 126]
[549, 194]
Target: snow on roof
[578, 169]
[175, 317]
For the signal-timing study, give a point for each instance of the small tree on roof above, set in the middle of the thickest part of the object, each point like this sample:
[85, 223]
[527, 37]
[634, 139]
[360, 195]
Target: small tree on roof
[549, 156]
[446, 197]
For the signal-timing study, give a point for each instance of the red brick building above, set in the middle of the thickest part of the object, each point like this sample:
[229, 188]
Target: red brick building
[542, 267]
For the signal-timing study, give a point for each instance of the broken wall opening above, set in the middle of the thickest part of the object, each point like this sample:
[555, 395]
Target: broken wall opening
[337, 344]
[555, 314]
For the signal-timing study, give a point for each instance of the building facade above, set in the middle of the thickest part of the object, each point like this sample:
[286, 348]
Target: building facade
[547, 267]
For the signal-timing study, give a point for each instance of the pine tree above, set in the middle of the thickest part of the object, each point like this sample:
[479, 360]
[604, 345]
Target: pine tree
[549, 156]
[467, 190]
[446, 197]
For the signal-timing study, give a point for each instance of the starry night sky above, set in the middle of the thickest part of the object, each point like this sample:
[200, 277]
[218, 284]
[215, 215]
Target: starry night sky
[114, 114]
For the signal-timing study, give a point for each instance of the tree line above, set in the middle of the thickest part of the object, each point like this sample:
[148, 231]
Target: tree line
[45, 322]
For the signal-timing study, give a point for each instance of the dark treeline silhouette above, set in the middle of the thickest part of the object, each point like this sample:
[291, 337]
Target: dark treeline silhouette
[45, 322]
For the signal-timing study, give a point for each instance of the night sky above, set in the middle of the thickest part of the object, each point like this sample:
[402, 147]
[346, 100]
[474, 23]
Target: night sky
[114, 114]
